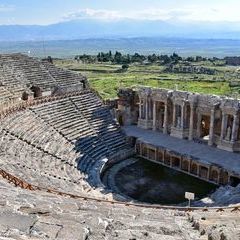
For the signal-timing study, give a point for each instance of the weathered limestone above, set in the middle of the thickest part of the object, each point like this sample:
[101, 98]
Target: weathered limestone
[191, 124]
[180, 162]
[190, 69]
[208, 163]
[217, 226]
[146, 120]
[208, 119]
[165, 124]
[180, 125]
[235, 128]
[55, 143]
[41, 215]
[229, 139]
[24, 77]
[211, 130]
[154, 115]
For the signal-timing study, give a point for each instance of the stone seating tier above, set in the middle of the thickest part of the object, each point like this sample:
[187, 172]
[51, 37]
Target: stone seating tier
[62, 136]
[19, 72]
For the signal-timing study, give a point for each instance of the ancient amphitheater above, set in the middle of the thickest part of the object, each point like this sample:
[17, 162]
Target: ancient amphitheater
[58, 139]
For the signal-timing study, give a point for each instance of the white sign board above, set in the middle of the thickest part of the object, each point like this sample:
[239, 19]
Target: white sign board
[189, 195]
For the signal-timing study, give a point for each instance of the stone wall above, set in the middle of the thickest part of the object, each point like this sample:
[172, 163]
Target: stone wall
[208, 119]
[190, 69]
[127, 111]
[185, 163]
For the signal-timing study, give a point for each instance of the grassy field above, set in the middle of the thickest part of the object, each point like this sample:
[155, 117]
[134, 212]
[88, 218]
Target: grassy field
[107, 79]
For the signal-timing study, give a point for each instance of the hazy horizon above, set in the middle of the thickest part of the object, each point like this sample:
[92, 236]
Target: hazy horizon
[191, 26]
[70, 48]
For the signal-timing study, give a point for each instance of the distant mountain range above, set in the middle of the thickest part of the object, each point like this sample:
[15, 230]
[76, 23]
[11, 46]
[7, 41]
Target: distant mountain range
[90, 28]
[144, 45]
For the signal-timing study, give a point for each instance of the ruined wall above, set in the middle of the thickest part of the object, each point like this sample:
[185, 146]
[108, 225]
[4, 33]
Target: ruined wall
[209, 119]
[128, 109]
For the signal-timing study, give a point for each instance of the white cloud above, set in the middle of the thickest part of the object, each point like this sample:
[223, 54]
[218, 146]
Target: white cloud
[102, 14]
[93, 14]
[6, 8]
[194, 13]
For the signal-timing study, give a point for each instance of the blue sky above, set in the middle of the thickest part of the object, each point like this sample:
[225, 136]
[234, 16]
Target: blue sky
[51, 11]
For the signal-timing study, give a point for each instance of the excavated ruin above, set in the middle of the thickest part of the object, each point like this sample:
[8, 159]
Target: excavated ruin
[58, 138]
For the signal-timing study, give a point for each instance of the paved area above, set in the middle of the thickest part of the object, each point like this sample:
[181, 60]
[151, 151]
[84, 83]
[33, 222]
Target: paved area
[206, 154]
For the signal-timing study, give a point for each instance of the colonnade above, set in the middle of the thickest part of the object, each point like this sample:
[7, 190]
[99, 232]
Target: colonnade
[206, 119]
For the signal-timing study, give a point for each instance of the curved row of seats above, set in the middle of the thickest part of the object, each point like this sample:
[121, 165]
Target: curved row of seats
[19, 72]
[63, 77]
[100, 119]
[35, 166]
[67, 138]
[42, 215]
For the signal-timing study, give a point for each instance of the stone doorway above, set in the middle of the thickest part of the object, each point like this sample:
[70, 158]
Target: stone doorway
[229, 128]
[175, 162]
[203, 173]
[160, 115]
[36, 91]
[205, 126]
[25, 96]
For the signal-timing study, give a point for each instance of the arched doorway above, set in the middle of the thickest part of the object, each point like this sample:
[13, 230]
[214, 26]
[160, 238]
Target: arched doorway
[175, 162]
[25, 96]
[205, 126]
[194, 169]
[214, 176]
[36, 91]
[203, 173]
[185, 165]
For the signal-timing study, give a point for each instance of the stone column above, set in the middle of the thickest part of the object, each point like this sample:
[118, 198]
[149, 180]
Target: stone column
[211, 128]
[174, 115]
[165, 123]
[199, 116]
[163, 156]
[143, 115]
[146, 113]
[183, 115]
[198, 170]
[219, 176]
[154, 115]
[141, 152]
[189, 166]
[140, 108]
[235, 127]
[224, 126]
[150, 107]
[208, 173]
[180, 163]
[191, 123]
